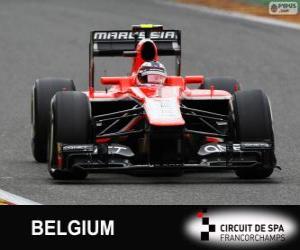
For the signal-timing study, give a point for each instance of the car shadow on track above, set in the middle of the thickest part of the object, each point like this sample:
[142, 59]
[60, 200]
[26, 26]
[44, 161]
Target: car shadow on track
[217, 178]
[221, 177]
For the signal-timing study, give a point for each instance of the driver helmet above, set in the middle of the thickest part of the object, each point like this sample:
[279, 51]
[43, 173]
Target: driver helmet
[152, 72]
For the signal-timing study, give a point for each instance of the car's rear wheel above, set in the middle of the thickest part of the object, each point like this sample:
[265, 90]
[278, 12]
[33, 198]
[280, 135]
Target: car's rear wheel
[253, 119]
[42, 92]
[228, 84]
[70, 124]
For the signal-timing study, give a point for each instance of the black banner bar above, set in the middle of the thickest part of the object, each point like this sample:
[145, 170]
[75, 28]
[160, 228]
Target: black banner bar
[180, 227]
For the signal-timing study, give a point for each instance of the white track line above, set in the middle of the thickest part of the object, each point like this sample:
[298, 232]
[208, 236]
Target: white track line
[15, 199]
[235, 15]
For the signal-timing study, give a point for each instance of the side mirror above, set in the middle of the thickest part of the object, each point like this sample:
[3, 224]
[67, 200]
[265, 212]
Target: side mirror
[123, 81]
[194, 79]
[110, 80]
[129, 53]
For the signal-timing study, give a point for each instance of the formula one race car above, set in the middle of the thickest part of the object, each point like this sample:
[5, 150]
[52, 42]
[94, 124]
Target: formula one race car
[150, 122]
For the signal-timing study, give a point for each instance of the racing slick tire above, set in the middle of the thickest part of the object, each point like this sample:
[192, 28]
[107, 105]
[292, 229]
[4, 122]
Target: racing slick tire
[254, 123]
[222, 83]
[70, 124]
[43, 91]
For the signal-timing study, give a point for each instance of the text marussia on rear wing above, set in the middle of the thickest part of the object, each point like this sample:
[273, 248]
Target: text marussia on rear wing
[116, 42]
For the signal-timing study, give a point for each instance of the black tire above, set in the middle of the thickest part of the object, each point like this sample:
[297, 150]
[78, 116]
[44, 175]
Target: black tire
[70, 124]
[228, 84]
[42, 93]
[254, 123]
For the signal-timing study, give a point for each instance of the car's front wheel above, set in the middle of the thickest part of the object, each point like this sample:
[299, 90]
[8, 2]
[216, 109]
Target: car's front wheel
[70, 124]
[253, 121]
[42, 92]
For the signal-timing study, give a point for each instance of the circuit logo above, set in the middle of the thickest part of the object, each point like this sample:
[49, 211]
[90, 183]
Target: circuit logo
[210, 228]
[240, 227]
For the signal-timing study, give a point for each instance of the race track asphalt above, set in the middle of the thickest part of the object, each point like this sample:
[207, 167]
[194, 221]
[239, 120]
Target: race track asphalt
[39, 38]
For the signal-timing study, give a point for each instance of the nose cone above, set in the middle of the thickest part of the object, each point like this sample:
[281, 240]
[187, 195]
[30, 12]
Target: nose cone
[163, 112]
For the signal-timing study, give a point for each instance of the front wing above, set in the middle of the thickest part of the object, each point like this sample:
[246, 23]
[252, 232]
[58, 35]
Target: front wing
[117, 158]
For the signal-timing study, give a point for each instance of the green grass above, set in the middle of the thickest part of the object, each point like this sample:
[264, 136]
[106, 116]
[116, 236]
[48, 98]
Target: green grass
[266, 2]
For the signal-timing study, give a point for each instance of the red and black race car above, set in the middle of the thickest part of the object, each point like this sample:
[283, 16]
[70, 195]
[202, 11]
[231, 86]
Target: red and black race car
[150, 122]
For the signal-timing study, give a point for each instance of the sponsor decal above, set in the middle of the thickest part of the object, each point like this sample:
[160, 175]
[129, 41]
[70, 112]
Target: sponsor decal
[254, 145]
[283, 8]
[120, 150]
[164, 109]
[129, 35]
[212, 148]
[240, 227]
[76, 148]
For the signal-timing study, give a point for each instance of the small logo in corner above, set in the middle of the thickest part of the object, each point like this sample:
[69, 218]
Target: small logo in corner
[283, 8]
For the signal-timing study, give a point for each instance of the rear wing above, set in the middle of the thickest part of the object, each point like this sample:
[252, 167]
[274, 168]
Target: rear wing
[120, 42]
[116, 42]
